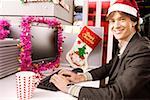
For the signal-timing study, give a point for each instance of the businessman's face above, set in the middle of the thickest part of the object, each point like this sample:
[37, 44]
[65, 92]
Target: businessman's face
[121, 26]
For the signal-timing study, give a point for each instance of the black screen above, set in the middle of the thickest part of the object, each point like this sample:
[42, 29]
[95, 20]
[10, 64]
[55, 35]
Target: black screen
[44, 44]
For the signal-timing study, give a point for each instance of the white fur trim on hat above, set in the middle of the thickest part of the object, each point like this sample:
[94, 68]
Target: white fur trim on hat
[124, 8]
[140, 20]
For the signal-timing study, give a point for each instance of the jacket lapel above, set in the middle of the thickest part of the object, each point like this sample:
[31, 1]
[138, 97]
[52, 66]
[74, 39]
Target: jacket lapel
[130, 44]
[118, 66]
[115, 62]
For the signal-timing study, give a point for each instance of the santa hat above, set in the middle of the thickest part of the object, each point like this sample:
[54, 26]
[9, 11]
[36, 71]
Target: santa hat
[127, 6]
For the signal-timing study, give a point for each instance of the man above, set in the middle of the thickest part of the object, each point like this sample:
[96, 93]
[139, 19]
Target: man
[128, 71]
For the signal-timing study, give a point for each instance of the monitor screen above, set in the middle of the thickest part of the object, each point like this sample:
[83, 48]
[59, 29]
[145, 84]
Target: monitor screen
[44, 44]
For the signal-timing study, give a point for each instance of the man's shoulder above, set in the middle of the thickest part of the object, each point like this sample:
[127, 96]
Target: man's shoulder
[144, 42]
[141, 44]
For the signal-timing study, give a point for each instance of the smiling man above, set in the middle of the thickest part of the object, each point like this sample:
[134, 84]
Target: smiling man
[128, 71]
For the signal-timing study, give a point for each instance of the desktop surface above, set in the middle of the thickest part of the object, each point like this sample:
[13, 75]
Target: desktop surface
[8, 91]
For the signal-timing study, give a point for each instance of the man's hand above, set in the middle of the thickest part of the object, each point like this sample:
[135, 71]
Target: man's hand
[71, 76]
[60, 82]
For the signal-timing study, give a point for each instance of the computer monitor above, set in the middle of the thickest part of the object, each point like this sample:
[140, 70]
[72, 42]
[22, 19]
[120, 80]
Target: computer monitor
[44, 44]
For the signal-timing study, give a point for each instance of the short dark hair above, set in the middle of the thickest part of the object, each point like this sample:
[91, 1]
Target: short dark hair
[133, 18]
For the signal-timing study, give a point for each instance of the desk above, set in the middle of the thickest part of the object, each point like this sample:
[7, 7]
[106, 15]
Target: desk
[8, 91]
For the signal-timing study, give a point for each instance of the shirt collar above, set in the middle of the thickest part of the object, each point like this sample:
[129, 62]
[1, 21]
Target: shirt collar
[122, 45]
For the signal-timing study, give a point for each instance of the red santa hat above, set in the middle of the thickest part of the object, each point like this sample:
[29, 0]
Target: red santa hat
[127, 6]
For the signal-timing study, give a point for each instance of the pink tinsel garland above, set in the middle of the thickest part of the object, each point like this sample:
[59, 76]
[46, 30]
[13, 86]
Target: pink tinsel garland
[4, 29]
[25, 44]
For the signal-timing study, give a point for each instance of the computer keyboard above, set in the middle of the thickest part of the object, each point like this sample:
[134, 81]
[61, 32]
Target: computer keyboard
[45, 84]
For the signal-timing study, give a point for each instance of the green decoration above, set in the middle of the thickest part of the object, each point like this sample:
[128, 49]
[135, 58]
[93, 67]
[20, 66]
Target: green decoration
[49, 0]
[22, 1]
[82, 51]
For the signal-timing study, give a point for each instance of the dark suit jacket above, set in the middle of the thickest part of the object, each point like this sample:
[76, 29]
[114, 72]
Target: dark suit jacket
[129, 78]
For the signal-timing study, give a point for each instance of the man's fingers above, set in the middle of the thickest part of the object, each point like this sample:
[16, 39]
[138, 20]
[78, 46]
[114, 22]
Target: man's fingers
[66, 73]
[57, 79]
[63, 71]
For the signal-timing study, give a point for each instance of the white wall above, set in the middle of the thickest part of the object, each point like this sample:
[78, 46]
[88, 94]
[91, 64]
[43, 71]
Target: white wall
[14, 8]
